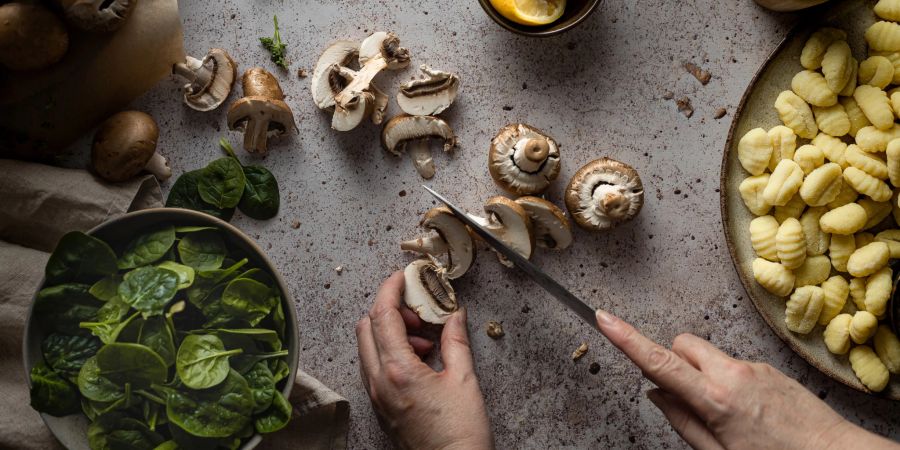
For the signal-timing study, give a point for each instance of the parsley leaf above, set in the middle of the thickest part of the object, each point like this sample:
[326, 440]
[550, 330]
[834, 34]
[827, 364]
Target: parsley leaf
[275, 46]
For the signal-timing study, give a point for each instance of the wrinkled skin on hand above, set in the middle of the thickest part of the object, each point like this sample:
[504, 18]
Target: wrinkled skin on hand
[418, 407]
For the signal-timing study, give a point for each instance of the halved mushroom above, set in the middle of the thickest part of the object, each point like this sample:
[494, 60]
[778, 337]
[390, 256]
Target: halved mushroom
[429, 95]
[31, 37]
[379, 51]
[209, 80]
[551, 227]
[97, 16]
[262, 113]
[603, 194]
[509, 222]
[414, 132]
[428, 292]
[523, 160]
[379, 105]
[450, 237]
[125, 144]
[340, 53]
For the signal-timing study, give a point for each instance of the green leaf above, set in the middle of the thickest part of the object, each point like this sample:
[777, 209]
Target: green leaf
[247, 299]
[268, 337]
[261, 198]
[61, 308]
[80, 258]
[262, 385]
[221, 183]
[148, 289]
[107, 288]
[168, 445]
[276, 48]
[206, 280]
[218, 412]
[185, 194]
[192, 229]
[186, 440]
[116, 431]
[280, 369]
[131, 363]
[51, 394]
[65, 354]
[276, 417]
[202, 361]
[203, 250]
[110, 323]
[155, 334]
[147, 248]
[185, 273]
[243, 362]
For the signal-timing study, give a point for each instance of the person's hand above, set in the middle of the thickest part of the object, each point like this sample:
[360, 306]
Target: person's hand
[418, 407]
[714, 401]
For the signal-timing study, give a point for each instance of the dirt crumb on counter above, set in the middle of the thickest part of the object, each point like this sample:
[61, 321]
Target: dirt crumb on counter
[685, 107]
[720, 113]
[580, 351]
[495, 329]
[301, 73]
[295, 224]
[595, 368]
[703, 76]
[668, 95]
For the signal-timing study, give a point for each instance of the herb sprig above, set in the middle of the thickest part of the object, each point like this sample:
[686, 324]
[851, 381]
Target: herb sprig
[275, 46]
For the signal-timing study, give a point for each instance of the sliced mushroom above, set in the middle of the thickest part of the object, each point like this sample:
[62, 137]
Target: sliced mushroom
[509, 222]
[209, 80]
[551, 227]
[523, 160]
[428, 292]
[97, 16]
[125, 144]
[413, 132]
[603, 194]
[262, 113]
[379, 51]
[31, 37]
[429, 95]
[379, 105]
[341, 54]
[451, 237]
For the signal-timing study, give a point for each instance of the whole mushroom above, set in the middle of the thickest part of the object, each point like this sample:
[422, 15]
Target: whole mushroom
[451, 237]
[412, 133]
[603, 194]
[209, 80]
[97, 16]
[31, 37]
[428, 292]
[125, 144]
[262, 112]
[523, 160]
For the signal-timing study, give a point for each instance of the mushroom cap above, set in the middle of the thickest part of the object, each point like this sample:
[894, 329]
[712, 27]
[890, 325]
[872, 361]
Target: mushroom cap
[259, 82]
[346, 119]
[340, 53]
[460, 245]
[98, 16]
[211, 86]
[31, 37]
[260, 118]
[123, 145]
[428, 292]
[429, 95]
[551, 227]
[603, 194]
[403, 127]
[510, 223]
[385, 45]
[518, 144]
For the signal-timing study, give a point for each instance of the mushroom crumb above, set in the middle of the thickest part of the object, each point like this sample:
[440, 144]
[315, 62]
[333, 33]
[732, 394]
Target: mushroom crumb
[668, 95]
[580, 351]
[301, 73]
[339, 269]
[594, 369]
[295, 224]
[685, 107]
[720, 113]
[495, 330]
[701, 75]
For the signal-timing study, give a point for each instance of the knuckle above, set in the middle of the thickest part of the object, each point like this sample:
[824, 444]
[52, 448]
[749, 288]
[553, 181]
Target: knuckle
[681, 341]
[397, 375]
[660, 359]
[378, 311]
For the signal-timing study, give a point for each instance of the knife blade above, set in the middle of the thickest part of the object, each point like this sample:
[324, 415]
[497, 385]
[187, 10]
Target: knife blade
[542, 279]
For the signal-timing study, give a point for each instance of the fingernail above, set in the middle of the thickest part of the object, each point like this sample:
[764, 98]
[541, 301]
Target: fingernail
[604, 318]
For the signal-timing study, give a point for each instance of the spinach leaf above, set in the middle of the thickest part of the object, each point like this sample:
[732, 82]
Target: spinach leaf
[248, 300]
[80, 258]
[107, 288]
[243, 362]
[147, 248]
[261, 198]
[65, 354]
[148, 289]
[61, 308]
[185, 273]
[202, 361]
[95, 386]
[192, 229]
[111, 326]
[186, 440]
[276, 417]
[280, 369]
[50, 393]
[277, 316]
[262, 385]
[168, 445]
[268, 337]
[155, 334]
[220, 411]
[131, 363]
[221, 183]
[185, 194]
[206, 280]
[203, 250]
[116, 431]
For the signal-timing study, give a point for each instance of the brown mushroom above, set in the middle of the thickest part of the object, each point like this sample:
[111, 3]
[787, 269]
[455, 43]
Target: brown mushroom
[31, 37]
[97, 16]
[603, 194]
[262, 112]
[125, 144]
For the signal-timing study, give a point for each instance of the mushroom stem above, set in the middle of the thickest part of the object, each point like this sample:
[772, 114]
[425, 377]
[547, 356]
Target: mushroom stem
[159, 167]
[380, 104]
[187, 68]
[256, 135]
[420, 152]
[431, 245]
[612, 202]
[361, 82]
[530, 154]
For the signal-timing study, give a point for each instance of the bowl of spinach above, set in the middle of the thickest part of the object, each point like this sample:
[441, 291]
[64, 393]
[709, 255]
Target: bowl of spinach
[161, 329]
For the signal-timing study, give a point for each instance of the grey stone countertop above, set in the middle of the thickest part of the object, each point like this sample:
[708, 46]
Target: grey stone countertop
[600, 90]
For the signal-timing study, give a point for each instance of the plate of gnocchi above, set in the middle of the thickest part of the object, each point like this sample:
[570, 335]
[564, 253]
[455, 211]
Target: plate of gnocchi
[810, 186]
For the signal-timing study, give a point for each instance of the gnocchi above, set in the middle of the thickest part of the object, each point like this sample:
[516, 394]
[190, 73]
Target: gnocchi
[793, 208]
[873, 140]
[812, 88]
[866, 162]
[850, 87]
[887, 347]
[863, 239]
[847, 219]
[894, 58]
[773, 277]
[803, 308]
[790, 244]
[888, 10]
[845, 197]
[876, 71]
[875, 104]
[878, 291]
[868, 259]
[876, 211]
[883, 36]
[814, 50]
[858, 293]
[837, 334]
[839, 249]
[784, 182]
[751, 190]
[892, 239]
[832, 147]
[863, 326]
[857, 118]
[762, 236]
[832, 120]
[863, 183]
[795, 113]
[755, 151]
[837, 65]
[822, 185]
[893, 161]
[816, 240]
[869, 368]
[784, 143]
[808, 157]
[813, 271]
[836, 290]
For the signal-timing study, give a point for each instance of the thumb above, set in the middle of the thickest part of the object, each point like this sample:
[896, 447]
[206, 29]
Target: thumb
[455, 350]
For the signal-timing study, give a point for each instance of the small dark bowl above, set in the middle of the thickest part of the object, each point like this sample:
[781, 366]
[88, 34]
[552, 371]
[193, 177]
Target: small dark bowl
[576, 12]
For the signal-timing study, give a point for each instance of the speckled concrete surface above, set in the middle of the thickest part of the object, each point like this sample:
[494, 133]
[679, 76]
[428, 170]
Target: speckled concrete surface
[599, 90]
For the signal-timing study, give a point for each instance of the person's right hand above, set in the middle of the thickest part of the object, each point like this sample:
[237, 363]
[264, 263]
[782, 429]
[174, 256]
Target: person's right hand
[714, 401]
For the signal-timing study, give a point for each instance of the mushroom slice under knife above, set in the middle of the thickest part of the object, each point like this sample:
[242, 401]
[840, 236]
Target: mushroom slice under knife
[209, 80]
[340, 53]
[430, 95]
[551, 227]
[509, 222]
[450, 237]
[603, 194]
[428, 292]
[523, 160]
[412, 133]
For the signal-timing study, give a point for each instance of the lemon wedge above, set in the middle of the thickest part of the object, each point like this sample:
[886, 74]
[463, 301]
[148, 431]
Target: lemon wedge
[530, 12]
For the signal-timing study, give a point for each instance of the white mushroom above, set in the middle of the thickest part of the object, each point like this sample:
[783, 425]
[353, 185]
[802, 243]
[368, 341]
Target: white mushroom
[379, 51]
[523, 160]
[551, 227]
[508, 222]
[429, 95]
[428, 292]
[340, 53]
[413, 133]
[603, 194]
[450, 237]
[379, 105]
[209, 80]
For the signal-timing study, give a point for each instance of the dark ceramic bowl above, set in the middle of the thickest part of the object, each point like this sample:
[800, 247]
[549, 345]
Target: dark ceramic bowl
[71, 430]
[576, 12]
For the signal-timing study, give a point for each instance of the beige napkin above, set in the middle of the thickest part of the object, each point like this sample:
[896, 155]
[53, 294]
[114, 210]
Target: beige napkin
[38, 204]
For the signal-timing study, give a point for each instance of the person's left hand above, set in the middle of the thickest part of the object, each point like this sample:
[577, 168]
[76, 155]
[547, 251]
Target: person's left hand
[417, 406]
